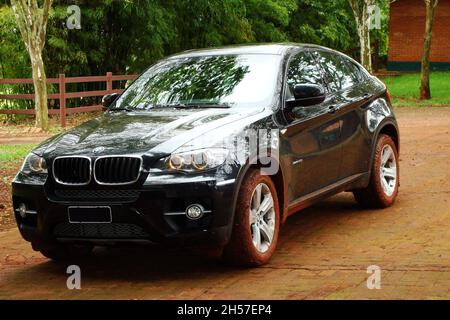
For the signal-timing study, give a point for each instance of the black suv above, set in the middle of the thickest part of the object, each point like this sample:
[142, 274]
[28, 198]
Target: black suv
[215, 146]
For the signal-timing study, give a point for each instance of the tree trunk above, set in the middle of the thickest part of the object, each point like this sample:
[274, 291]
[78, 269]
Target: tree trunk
[362, 17]
[32, 23]
[40, 89]
[364, 38]
[425, 92]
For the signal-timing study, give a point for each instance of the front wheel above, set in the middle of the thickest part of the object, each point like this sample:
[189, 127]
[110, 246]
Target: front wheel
[256, 222]
[384, 181]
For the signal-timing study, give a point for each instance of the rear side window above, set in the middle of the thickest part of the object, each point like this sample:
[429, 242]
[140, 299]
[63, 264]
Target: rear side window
[338, 75]
[355, 71]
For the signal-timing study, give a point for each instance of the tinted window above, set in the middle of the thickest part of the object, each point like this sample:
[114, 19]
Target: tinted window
[337, 74]
[302, 69]
[355, 71]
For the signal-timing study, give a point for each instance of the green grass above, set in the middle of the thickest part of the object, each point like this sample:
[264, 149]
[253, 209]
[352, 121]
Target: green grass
[405, 89]
[10, 153]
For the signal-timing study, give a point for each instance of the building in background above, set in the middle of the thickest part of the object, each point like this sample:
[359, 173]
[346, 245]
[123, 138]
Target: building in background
[406, 36]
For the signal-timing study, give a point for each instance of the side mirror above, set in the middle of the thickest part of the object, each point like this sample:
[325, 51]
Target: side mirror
[108, 99]
[306, 95]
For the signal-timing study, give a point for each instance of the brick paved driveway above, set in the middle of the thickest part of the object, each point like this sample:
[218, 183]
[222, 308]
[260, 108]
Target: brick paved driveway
[323, 251]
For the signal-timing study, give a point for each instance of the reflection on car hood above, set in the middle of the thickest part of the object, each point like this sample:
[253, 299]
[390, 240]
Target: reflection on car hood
[140, 132]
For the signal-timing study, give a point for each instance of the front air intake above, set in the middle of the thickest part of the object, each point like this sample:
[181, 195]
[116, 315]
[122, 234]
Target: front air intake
[116, 170]
[72, 170]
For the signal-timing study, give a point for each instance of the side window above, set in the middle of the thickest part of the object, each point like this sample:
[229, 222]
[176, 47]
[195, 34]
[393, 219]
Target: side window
[338, 76]
[302, 69]
[355, 71]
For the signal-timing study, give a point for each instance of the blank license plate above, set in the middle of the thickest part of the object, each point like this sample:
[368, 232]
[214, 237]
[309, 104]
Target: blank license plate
[90, 215]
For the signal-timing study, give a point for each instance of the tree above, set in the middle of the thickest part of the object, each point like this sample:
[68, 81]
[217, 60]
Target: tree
[361, 10]
[324, 22]
[128, 36]
[14, 61]
[269, 18]
[32, 22]
[425, 77]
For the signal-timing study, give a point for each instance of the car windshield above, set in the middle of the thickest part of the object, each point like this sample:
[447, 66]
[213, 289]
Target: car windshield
[204, 82]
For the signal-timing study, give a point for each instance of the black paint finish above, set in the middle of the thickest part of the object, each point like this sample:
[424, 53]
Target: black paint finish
[194, 100]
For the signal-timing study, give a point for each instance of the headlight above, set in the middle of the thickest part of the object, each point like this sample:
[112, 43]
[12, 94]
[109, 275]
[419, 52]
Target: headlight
[195, 161]
[34, 164]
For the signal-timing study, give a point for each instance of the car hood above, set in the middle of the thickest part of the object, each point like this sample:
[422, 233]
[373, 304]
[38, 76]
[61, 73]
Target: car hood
[158, 131]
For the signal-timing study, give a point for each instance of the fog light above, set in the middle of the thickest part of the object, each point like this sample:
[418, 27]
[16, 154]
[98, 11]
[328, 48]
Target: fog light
[22, 210]
[195, 211]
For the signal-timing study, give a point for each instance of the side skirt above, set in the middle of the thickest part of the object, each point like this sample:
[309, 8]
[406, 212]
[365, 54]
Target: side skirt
[352, 182]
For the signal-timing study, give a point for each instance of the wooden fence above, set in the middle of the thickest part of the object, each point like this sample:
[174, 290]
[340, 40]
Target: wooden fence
[62, 95]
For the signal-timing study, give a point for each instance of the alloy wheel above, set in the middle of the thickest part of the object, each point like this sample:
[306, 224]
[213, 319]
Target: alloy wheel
[262, 217]
[388, 170]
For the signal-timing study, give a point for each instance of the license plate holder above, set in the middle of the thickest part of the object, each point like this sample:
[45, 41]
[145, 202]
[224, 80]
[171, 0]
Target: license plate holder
[89, 214]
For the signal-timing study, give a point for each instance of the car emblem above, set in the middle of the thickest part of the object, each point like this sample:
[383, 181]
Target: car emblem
[99, 149]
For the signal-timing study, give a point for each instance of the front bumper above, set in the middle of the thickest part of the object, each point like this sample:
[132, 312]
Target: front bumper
[142, 213]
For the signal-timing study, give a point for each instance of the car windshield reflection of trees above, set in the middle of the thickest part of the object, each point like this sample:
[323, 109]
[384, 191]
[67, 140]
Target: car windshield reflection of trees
[185, 83]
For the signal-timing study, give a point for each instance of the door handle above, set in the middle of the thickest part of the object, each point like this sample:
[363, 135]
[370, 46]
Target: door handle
[367, 96]
[332, 109]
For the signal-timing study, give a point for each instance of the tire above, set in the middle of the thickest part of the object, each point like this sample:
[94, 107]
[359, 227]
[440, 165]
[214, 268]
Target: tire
[384, 179]
[243, 248]
[62, 252]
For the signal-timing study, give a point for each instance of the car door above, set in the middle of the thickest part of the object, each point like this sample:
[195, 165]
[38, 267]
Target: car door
[313, 133]
[356, 144]
[353, 92]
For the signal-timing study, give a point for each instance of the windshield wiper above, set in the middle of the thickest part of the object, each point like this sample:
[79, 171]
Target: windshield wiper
[121, 109]
[199, 106]
[176, 106]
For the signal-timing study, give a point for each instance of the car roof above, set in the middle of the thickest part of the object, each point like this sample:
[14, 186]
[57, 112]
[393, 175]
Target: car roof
[263, 48]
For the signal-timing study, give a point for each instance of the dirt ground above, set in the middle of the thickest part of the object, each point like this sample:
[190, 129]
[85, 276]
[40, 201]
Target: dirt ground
[324, 251]
[6, 175]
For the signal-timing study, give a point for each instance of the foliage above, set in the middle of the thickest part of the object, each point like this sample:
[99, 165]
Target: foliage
[381, 35]
[127, 36]
[269, 18]
[14, 60]
[328, 23]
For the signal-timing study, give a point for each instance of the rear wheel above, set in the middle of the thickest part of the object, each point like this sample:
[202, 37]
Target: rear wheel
[256, 222]
[66, 252]
[384, 181]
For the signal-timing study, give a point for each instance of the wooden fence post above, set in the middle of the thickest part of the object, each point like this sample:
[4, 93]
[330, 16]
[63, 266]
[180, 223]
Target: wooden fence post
[62, 99]
[109, 86]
